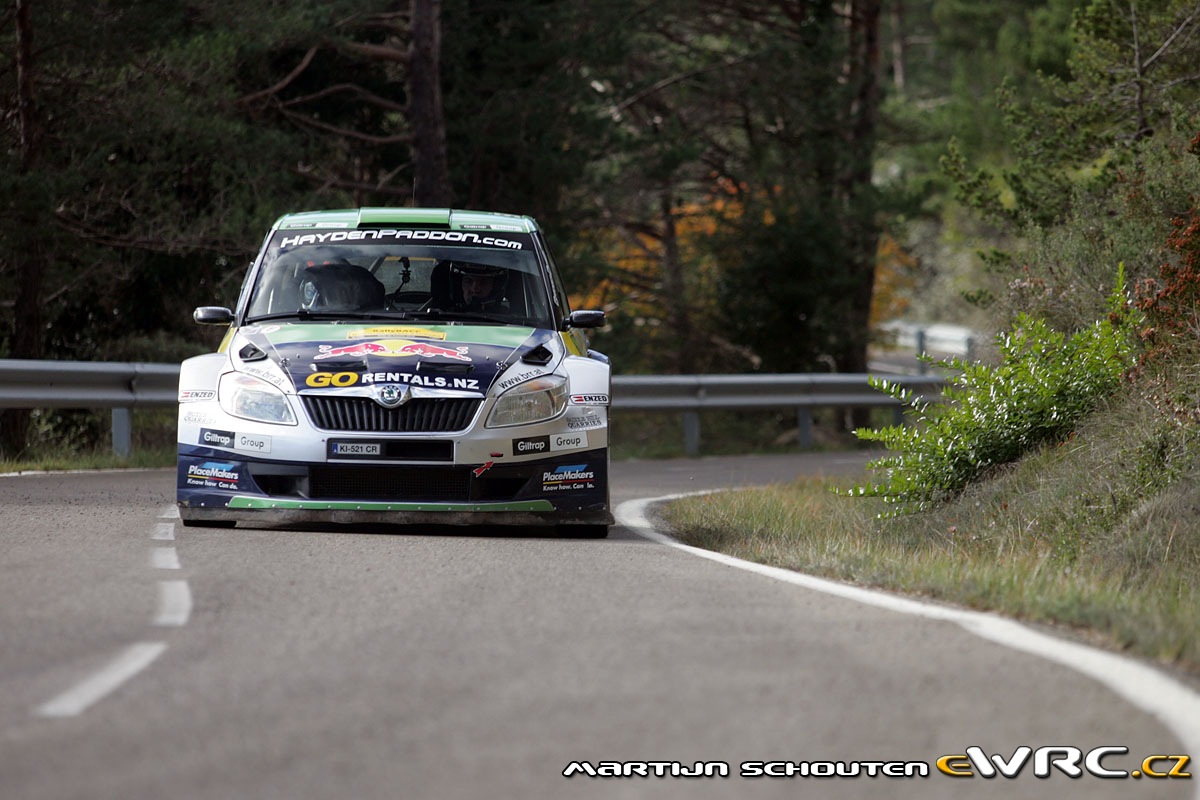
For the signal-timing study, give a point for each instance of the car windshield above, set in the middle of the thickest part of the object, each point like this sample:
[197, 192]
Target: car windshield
[386, 275]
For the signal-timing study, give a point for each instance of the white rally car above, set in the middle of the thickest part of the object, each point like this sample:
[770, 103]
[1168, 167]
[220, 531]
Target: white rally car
[398, 366]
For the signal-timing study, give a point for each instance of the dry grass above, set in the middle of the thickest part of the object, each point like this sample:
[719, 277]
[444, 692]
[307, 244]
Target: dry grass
[1101, 535]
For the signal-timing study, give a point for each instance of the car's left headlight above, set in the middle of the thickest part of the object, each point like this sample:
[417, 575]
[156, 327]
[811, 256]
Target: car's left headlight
[245, 396]
[533, 401]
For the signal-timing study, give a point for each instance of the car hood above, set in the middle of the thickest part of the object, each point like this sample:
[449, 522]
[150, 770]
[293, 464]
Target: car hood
[468, 357]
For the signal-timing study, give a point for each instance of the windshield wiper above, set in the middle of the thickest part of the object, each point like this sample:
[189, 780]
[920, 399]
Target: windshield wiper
[470, 316]
[305, 314]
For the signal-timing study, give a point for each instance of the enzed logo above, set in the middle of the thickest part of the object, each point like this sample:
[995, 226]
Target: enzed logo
[589, 399]
[1071, 761]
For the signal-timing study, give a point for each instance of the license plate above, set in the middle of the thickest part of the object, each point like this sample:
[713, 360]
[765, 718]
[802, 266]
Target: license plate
[357, 448]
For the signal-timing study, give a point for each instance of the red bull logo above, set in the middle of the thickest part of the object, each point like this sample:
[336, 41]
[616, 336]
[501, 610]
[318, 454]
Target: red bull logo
[392, 348]
[350, 351]
[426, 350]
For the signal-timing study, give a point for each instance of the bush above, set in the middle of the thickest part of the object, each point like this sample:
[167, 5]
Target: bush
[1044, 384]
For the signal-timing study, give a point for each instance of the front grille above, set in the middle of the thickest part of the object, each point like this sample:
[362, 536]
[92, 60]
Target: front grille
[363, 415]
[403, 484]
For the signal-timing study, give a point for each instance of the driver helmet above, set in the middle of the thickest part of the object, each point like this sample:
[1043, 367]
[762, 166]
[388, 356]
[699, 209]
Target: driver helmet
[471, 273]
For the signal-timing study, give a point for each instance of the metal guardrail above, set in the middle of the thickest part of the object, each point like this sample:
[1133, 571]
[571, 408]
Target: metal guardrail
[88, 384]
[124, 386]
[935, 338]
[692, 394]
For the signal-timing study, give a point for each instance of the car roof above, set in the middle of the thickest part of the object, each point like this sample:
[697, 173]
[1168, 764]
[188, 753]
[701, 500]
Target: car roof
[442, 218]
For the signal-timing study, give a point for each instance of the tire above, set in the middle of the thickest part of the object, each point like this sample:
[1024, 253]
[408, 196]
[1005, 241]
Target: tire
[207, 523]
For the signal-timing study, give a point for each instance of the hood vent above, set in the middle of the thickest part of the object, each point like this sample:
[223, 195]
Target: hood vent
[251, 352]
[539, 356]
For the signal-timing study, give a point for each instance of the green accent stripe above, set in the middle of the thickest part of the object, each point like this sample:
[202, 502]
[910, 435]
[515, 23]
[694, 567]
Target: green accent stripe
[408, 217]
[404, 216]
[327, 505]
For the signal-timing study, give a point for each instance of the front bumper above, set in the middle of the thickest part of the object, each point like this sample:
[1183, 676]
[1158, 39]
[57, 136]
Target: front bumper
[566, 489]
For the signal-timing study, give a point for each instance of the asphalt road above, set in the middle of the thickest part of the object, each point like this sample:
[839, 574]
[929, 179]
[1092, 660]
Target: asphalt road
[142, 660]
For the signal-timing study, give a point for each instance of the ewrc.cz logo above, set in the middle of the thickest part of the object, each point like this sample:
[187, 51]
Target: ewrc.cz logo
[748, 769]
[1071, 761]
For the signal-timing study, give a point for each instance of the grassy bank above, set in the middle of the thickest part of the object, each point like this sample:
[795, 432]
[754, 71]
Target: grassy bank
[1100, 534]
[46, 460]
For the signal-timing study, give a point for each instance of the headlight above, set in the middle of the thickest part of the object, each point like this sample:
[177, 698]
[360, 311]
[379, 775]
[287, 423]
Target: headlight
[248, 397]
[532, 401]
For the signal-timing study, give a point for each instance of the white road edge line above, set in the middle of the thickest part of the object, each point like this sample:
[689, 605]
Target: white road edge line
[1172, 703]
[174, 604]
[163, 532]
[84, 694]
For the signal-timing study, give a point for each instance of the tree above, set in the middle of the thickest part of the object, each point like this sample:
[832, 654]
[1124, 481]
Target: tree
[1132, 70]
[801, 257]
[431, 172]
[759, 116]
[127, 165]
[1098, 170]
[25, 255]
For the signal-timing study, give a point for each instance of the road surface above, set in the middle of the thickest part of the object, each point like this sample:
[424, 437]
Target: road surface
[143, 660]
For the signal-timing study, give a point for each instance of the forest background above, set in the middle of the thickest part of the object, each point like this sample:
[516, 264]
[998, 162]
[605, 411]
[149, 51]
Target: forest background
[743, 185]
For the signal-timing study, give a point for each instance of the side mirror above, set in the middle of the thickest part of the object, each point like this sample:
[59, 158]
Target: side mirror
[586, 319]
[212, 315]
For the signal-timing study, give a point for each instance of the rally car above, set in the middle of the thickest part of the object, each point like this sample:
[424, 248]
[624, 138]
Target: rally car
[398, 365]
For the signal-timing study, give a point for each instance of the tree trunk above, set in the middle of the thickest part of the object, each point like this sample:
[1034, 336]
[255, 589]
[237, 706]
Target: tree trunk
[29, 254]
[431, 171]
[899, 47]
[861, 229]
[675, 293]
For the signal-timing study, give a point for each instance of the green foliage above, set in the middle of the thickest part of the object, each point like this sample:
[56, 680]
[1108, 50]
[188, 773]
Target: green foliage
[1130, 76]
[1063, 273]
[1044, 384]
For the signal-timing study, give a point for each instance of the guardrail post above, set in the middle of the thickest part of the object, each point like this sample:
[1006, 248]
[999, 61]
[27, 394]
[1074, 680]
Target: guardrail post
[691, 433]
[122, 432]
[922, 367]
[804, 422]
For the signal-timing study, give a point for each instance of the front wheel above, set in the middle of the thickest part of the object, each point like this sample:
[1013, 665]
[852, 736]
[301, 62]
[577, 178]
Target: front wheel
[207, 523]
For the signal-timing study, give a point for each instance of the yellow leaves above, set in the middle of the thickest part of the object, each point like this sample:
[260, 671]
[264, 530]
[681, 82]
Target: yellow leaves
[896, 273]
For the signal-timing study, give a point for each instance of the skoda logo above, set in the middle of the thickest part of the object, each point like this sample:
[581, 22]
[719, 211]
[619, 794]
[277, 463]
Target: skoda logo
[391, 396]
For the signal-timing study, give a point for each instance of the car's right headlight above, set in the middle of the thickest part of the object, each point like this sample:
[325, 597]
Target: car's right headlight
[532, 401]
[248, 397]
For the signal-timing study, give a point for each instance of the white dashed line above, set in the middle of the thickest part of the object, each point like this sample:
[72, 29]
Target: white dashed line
[80, 697]
[174, 610]
[164, 558]
[174, 603]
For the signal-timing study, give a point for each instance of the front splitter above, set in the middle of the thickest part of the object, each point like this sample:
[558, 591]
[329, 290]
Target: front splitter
[275, 511]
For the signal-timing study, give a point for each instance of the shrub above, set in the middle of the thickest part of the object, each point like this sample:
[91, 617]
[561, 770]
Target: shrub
[1044, 383]
[1171, 302]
